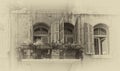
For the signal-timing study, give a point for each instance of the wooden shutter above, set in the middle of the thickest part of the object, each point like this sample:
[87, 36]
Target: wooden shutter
[61, 30]
[52, 32]
[77, 31]
[88, 39]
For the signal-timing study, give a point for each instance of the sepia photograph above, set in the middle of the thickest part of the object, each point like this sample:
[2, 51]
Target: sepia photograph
[65, 35]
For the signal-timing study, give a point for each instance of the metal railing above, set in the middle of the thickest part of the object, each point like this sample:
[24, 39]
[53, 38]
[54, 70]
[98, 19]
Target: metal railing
[45, 51]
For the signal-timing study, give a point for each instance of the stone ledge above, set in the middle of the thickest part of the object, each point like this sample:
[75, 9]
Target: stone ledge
[101, 56]
[51, 60]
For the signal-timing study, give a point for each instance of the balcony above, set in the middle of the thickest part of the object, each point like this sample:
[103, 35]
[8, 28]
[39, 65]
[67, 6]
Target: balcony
[49, 51]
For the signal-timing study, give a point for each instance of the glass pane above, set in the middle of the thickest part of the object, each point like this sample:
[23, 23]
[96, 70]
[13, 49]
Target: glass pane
[99, 31]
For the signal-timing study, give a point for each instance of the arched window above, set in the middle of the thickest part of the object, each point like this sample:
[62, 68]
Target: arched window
[68, 32]
[101, 39]
[40, 32]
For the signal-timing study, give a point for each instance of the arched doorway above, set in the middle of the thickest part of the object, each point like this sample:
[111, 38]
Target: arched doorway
[101, 39]
[69, 39]
[41, 40]
[68, 33]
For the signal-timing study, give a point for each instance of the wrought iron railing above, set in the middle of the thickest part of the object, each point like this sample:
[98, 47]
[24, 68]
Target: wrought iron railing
[45, 51]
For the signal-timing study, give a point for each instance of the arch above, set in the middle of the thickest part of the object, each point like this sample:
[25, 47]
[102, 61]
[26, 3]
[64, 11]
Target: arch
[101, 39]
[40, 24]
[100, 31]
[101, 25]
[41, 32]
[68, 27]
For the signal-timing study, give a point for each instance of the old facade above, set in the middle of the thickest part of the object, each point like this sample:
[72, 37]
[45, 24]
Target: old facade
[89, 31]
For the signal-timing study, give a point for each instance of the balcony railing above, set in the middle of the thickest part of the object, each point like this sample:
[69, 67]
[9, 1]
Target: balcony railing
[46, 51]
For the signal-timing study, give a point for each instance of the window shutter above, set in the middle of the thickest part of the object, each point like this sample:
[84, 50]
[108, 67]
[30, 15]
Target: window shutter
[61, 30]
[75, 30]
[52, 32]
[78, 30]
[89, 39]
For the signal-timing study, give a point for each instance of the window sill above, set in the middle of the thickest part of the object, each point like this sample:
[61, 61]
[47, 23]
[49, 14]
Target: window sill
[101, 56]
